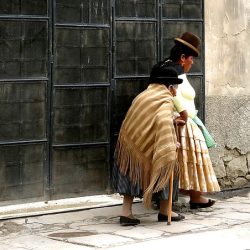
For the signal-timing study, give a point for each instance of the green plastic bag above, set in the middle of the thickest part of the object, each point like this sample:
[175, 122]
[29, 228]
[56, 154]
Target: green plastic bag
[208, 138]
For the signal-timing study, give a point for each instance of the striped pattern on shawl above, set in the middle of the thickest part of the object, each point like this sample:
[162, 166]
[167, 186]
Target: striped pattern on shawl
[146, 146]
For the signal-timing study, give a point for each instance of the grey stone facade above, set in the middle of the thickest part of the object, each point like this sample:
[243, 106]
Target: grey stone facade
[227, 63]
[228, 119]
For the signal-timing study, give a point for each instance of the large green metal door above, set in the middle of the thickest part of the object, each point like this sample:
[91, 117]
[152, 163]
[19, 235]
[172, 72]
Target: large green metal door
[68, 72]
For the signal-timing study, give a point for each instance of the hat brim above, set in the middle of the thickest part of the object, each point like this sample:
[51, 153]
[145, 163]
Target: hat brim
[195, 50]
[169, 80]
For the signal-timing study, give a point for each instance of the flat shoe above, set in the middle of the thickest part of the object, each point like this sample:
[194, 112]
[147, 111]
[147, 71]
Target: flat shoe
[126, 221]
[194, 205]
[162, 217]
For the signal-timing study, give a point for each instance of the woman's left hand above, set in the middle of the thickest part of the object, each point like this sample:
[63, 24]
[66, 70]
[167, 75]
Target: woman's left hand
[179, 122]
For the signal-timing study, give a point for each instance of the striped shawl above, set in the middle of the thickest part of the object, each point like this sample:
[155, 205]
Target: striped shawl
[146, 146]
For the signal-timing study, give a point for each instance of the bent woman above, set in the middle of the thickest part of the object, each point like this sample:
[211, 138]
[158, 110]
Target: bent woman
[145, 154]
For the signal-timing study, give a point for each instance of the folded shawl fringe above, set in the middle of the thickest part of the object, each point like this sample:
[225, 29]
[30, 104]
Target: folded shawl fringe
[133, 163]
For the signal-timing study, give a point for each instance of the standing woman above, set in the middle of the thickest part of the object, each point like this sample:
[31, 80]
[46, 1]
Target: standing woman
[196, 171]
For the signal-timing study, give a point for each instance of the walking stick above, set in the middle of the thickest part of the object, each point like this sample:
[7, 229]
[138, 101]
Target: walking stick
[170, 196]
[171, 179]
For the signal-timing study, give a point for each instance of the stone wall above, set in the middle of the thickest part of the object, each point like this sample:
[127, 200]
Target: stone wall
[227, 65]
[228, 119]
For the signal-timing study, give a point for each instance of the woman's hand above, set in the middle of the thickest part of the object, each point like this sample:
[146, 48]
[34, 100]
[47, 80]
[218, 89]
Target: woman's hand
[184, 115]
[179, 122]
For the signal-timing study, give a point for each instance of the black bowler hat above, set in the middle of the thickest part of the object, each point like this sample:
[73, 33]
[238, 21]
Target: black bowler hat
[191, 41]
[165, 73]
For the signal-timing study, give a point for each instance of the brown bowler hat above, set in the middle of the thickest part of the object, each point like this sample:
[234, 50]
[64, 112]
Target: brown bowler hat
[191, 41]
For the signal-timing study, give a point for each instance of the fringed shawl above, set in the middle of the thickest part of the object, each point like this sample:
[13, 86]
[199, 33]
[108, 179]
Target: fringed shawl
[146, 146]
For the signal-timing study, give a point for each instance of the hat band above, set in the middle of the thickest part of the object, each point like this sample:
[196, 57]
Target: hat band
[187, 44]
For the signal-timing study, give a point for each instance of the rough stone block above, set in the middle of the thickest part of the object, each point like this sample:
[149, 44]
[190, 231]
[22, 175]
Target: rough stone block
[240, 182]
[220, 170]
[237, 167]
[225, 183]
[229, 123]
[248, 177]
[248, 161]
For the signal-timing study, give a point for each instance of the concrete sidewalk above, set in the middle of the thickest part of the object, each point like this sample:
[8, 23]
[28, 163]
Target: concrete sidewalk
[226, 225]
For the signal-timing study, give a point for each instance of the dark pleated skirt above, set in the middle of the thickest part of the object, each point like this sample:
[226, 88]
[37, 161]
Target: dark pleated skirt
[122, 185]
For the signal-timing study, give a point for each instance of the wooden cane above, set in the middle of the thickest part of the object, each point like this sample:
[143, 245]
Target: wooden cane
[171, 180]
[170, 197]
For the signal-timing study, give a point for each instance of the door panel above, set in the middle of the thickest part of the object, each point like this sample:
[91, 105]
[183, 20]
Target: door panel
[21, 171]
[83, 11]
[179, 9]
[136, 8]
[81, 98]
[22, 111]
[81, 55]
[24, 47]
[79, 171]
[135, 48]
[23, 7]
[81, 115]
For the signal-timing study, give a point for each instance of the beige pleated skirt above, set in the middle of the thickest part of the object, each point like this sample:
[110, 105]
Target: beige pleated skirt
[196, 170]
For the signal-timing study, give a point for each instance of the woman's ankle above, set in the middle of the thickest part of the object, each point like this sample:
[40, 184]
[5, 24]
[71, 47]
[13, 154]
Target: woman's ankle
[173, 214]
[198, 199]
[126, 213]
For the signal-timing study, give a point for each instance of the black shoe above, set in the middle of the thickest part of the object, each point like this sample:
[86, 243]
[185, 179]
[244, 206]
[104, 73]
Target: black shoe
[194, 205]
[126, 221]
[162, 217]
